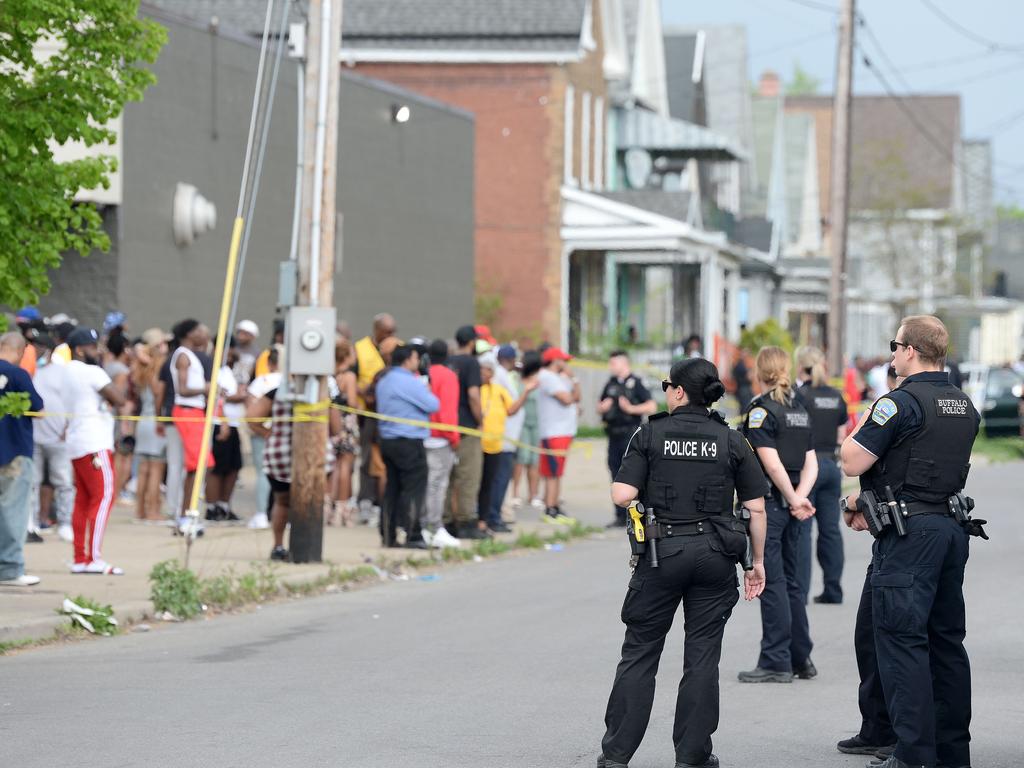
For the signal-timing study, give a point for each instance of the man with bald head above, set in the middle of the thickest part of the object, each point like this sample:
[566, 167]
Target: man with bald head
[15, 465]
[370, 362]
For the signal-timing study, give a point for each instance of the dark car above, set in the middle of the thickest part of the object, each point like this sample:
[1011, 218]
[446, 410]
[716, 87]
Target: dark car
[1000, 411]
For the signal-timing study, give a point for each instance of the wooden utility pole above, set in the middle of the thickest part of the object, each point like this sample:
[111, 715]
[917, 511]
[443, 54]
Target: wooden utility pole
[316, 263]
[840, 203]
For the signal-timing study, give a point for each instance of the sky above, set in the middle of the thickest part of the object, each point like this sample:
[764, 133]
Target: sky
[915, 49]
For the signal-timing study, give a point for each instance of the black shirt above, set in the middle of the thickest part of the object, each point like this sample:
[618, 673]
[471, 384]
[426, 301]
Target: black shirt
[616, 422]
[467, 368]
[749, 480]
[167, 379]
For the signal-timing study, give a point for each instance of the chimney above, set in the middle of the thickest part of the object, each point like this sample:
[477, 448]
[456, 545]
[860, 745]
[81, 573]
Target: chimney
[770, 85]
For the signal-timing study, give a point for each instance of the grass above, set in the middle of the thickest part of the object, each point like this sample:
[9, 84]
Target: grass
[999, 449]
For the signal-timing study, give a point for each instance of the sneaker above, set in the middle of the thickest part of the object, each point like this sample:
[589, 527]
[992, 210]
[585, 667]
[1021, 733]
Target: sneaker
[214, 514]
[20, 581]
[33, 537]
[516, 503]
[374, 521]
[855, 745]
[186, 526]
[498, 527]
[556, 516]
[65, 533]
[102, 568]
[537, 503]
[762, 675]
[711, 762]
[441, 539]
[279, 553]
[231, 517]
[473, 532]
[259, 521]
[607, 762]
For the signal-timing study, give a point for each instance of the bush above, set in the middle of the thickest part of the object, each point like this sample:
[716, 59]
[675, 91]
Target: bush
[175, 590]
[766, 334]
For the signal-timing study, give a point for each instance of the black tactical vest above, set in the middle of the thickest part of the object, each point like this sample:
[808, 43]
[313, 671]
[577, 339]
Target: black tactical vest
[824, 405]
[690, 476]
[931, 463]
[794, 427]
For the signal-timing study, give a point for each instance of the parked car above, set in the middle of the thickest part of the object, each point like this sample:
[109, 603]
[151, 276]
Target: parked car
[996, 393]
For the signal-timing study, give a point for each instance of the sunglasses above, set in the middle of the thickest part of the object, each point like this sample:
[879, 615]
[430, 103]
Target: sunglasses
[665, 384]
[893, 344]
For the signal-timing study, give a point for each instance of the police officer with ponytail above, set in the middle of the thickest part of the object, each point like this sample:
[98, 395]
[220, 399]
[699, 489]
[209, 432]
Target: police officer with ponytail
[779, 429]
[686, 466]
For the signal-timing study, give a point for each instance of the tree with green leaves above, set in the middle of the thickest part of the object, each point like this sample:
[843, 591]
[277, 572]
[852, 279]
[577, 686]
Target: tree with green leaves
[67, 68]
[803, 82]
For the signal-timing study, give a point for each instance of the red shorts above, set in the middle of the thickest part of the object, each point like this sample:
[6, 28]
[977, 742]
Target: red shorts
[550, 465]
[189, 423]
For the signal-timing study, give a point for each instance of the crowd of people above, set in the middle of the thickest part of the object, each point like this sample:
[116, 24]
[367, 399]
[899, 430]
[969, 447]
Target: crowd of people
[123, 412]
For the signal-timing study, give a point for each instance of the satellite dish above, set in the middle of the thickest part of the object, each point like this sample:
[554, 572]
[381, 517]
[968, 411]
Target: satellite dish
[638, 167]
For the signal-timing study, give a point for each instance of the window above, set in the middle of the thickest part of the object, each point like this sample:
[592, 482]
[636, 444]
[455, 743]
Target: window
[569, 140]
[585, 121]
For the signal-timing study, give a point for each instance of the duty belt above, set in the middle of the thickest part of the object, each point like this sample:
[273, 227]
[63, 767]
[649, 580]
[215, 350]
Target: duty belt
[927, 508]
[668, 530]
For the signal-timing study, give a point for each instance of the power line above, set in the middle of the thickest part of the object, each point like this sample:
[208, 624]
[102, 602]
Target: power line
[969, 34]
[817, 6]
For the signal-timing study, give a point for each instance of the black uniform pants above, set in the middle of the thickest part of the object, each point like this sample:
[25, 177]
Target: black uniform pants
[920, 625]
[406, 489]
[875, 726]
[825, 498]
[785, 633]
[617, 445]
[694, 570]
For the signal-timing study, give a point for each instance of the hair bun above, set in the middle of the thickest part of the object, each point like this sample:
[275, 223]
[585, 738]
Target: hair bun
[713, 390]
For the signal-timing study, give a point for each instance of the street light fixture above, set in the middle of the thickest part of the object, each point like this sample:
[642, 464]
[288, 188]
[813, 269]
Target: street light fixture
[400, 113]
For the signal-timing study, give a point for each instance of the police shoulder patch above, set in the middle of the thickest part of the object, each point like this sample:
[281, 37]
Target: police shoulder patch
[884, 410]
[756, 417]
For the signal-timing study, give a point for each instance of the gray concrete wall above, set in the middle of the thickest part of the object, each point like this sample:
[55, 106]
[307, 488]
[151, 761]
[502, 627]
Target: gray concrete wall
[406, 193]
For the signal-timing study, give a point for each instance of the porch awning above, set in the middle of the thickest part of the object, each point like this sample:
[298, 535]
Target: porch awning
[649, 130]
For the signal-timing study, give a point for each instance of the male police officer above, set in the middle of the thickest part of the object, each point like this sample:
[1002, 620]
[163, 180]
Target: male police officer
[623, 404]
[686, 465]
[913, 448]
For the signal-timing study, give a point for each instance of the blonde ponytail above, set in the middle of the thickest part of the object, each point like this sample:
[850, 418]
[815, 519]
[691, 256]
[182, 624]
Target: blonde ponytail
[812, 360]
[772, 370]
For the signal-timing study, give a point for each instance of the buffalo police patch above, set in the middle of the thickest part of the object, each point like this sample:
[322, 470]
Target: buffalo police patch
[756, 418]
[884, 410]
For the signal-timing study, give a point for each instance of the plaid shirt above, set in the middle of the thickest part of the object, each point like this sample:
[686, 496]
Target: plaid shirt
[277, 454]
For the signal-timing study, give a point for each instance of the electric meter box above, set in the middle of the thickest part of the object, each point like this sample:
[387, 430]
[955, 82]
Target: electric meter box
[310, 334]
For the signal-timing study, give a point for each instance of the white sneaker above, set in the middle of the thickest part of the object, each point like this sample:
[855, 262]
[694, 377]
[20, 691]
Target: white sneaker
[441, 538]
[21, 581]
[259, 521]
[374, 520]
[185, 526]
[516, 503]
[102, 567]
[538, 503]
[65, 533]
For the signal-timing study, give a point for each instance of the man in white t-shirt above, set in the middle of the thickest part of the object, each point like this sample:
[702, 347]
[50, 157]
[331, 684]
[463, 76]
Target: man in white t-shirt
[89, 393]
[227, 444]
[558, 393]
[51, 452]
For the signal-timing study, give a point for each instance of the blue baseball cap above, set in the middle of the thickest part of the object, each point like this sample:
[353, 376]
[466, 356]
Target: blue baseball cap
[506, 352]
[27, 315]
[112, 320]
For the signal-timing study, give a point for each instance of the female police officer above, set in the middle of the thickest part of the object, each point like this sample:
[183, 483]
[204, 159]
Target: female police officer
[686, 465]
[779, 429]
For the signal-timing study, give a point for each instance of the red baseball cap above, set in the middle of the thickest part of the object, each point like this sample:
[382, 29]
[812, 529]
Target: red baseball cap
[484, 332]
[554, 353]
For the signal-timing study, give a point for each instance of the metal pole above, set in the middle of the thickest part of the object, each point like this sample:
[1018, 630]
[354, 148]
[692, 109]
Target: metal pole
[840, 190]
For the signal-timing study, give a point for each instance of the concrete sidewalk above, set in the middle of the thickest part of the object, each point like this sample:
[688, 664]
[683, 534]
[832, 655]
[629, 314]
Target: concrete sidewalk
[29, 613]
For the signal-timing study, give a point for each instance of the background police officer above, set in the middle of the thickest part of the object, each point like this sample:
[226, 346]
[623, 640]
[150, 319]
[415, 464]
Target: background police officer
[623, 404]
[916, 442]
[779, 429]
[686, 464]
[827, 409]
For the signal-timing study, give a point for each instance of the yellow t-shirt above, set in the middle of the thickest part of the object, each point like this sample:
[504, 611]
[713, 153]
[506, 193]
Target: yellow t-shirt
[495, 401]
[262, 365]
[370, 364]
[62, 354]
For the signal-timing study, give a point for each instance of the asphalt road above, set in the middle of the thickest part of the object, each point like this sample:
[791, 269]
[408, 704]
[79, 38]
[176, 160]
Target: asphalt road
[501, 663]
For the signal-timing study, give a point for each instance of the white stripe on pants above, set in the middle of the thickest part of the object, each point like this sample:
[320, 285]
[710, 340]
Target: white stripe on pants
[99, 527]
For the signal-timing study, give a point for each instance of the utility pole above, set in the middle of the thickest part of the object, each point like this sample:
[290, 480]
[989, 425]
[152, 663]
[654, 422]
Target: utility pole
[840, 203]
[316, 267]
